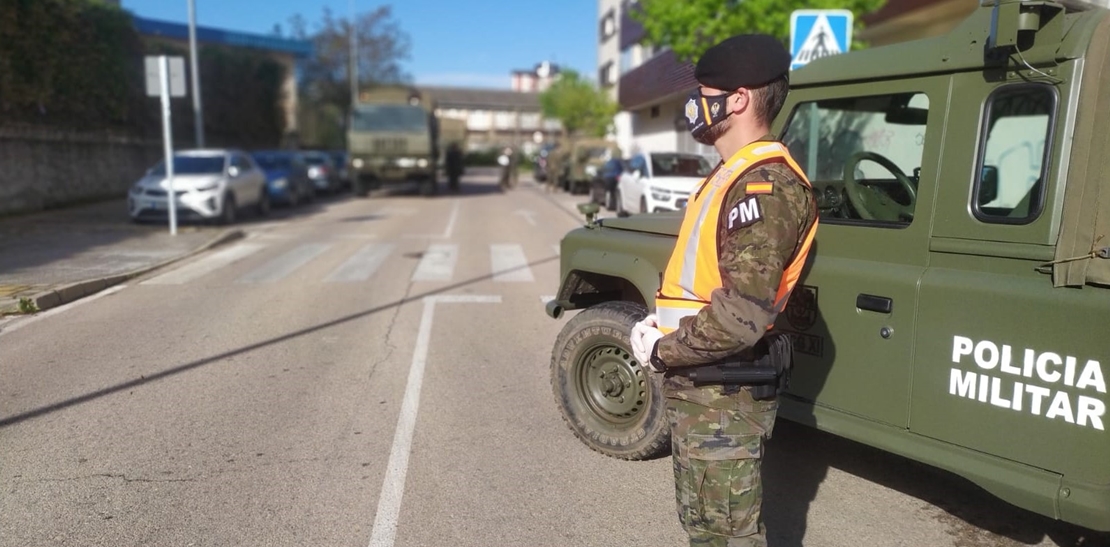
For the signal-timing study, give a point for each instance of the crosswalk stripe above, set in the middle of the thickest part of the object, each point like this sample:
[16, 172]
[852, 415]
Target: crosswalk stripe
[508, 263]
[205, 265]
[438, 263]
[362, 264]
[285, 264]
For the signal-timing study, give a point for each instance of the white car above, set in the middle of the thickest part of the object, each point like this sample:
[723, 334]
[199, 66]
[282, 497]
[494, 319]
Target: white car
[208, 185]
[660, 181]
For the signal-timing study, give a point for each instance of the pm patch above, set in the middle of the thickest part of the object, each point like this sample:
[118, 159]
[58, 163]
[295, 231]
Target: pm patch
[744, 214]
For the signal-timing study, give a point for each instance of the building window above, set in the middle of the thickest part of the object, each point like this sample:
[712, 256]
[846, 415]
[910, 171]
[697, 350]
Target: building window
[605, 75]
[608, 26]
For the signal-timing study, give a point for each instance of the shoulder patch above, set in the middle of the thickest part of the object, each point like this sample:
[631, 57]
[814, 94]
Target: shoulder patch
[759, 187]
[745, 213]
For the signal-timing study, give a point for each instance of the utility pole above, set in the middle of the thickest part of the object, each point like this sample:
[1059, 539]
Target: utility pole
[352, 72]
[198, 110]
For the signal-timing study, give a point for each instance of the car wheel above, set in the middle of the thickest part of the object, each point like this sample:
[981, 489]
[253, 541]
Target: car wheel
[227, 210]
[611, 402]
[264, 204]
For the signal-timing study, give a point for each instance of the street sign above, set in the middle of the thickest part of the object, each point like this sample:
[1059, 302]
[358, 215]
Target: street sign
[154, 81]
[818, 33]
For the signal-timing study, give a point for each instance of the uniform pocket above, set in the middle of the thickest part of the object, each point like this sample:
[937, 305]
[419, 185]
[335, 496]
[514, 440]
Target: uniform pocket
[725, 487]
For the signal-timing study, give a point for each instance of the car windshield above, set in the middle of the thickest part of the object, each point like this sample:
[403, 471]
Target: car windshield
[679, 165]
[273, 161]
[192, 165]
[388, 117]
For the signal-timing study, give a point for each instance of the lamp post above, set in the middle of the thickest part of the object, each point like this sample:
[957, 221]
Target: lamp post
[198, 111]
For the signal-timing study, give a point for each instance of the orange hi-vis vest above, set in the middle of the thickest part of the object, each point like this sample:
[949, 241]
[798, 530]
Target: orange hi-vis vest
[693, 272]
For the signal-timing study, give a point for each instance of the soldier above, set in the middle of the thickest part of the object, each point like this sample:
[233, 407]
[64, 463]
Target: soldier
[454, 165]
[741, 247]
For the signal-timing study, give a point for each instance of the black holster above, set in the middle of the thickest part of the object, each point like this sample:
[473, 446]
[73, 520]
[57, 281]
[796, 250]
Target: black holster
[766, 369]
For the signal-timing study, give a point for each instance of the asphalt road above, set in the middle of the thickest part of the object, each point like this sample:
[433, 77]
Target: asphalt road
[375, 373]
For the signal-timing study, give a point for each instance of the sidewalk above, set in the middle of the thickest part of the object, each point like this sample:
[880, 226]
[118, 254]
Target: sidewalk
[55, 257]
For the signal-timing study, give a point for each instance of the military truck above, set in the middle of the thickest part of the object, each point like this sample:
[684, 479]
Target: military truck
[580, 160]
[392, 138]
[953, 308]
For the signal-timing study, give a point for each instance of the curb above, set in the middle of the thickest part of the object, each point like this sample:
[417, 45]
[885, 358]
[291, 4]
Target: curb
[74, 291]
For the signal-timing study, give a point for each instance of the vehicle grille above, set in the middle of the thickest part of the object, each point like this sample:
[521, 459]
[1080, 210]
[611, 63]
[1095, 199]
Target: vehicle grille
[389, 145]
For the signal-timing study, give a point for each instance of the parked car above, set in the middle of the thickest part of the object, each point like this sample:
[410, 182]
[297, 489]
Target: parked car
[322, 172]
[660, 181]
[339, 158]
[604, 186]
[286, 176]
[207, 184]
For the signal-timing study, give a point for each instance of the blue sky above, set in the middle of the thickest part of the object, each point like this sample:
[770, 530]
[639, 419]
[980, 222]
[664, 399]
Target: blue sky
[473, 43]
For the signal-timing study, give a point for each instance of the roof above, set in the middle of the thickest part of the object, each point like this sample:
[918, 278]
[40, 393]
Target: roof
[180, 31]
[483, 98]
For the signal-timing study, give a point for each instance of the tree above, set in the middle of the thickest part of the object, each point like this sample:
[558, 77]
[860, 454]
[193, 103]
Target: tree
[578, 105]
[381, 45]
[689, 27]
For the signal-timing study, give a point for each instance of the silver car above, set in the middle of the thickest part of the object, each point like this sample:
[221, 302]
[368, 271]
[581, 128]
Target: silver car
[208, 184]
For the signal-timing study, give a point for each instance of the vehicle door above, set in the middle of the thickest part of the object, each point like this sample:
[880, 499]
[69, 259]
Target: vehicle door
[871, 152]
[243, 180]
[632, 185]
[1002, 352]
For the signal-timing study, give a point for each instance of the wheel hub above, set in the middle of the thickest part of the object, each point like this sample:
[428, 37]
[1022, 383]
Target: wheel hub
[612, 384]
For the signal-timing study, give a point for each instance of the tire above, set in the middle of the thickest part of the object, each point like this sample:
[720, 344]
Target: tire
[610, 402]
[227, 210]
[264, 205]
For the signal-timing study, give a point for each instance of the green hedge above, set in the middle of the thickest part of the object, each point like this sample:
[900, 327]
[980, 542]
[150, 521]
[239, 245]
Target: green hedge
[78, 64]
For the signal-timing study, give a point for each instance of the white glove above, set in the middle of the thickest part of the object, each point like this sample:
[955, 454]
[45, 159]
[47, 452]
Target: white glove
[643, 338]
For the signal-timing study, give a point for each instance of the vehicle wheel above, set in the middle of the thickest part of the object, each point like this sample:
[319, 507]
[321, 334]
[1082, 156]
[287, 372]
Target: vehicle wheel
[611, 403]
[643, 205]
[264, 203]
[228, 212]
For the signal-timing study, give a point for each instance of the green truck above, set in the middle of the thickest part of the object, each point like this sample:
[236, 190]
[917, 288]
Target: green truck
[954, 306]
[393, 137]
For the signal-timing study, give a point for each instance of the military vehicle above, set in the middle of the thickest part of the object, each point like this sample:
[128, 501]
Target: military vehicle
[393, 137]
[952, 310]
[578, 161]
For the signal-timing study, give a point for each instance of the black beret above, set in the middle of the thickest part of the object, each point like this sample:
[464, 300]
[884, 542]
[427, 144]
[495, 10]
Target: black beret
[745, 60]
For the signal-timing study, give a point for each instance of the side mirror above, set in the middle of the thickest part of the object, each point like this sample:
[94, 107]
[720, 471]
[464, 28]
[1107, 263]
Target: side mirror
[988, 184]
[233, 171]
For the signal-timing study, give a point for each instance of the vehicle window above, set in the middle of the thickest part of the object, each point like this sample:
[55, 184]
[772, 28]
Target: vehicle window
[1010, 184]
[387, 117]
[273, 161]
[191, 165]
[241, 161]
[862, 154]
[679, 165]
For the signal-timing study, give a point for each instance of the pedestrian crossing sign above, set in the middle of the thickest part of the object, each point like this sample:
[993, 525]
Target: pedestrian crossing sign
[818, 33]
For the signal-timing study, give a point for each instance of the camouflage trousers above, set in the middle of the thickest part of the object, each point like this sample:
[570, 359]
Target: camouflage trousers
[717, 455]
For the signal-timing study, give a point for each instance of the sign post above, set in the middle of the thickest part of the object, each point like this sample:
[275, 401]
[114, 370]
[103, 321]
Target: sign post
[165, 77]
[816, 33]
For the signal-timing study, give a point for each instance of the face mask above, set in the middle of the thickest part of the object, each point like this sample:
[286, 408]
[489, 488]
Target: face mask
[703, 112]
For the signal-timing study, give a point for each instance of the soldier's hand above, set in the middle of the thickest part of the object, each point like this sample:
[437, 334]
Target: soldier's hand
[643, 342]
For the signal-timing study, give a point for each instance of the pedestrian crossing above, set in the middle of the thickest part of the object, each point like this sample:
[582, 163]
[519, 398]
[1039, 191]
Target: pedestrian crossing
[259, 261]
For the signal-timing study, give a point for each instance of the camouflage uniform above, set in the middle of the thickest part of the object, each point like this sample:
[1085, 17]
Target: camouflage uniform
[717, 434]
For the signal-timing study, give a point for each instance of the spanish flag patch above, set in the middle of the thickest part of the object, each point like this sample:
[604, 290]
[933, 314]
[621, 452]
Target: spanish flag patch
[759, 188]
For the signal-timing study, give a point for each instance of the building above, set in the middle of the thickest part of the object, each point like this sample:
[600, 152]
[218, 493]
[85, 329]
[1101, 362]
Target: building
[535, 80]
[496, 117]
[651, 84]
[285, 51]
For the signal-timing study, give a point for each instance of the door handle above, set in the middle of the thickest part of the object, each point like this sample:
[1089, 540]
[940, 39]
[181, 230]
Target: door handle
[874, 303]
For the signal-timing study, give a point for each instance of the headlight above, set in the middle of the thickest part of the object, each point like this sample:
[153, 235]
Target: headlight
[357, 163]
[280, 183]
[660, 194]
[591, 170]
[314, 172]
[406, 162]
[421, 163]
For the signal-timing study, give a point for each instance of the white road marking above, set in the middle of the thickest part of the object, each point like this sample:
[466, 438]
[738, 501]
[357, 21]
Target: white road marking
[393, 487]
[508, 263]
[205, 265]
[438, 263]
[285, 264]
[362, 264]
[17, 324]
[528, 215]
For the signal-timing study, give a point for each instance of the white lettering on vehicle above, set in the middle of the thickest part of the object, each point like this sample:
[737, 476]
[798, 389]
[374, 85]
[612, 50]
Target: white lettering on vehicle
[1004, 390]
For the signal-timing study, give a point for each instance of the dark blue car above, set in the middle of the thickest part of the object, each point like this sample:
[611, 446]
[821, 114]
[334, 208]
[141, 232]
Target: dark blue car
[287, 179]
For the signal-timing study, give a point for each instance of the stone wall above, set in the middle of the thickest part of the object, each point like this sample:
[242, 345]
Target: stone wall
[44, 168]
